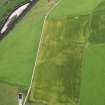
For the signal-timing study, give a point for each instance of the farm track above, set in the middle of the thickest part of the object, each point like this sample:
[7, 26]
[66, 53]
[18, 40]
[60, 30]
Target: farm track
[36, 59]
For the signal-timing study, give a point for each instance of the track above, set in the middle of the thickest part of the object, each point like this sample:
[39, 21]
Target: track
[36, 59]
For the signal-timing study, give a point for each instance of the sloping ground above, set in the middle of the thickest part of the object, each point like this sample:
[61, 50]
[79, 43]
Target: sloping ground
[67, 39]
[1, 1]
[93, 80]
[7, 5]
[18, 49]
[97, 32]
[8, 95]
[74, 7]
[58, 73]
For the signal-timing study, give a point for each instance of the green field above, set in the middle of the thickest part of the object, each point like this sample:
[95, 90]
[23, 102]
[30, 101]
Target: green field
[93, 80]
[8, 94]
[74, 7]
[97, 31]
[58, 73]
[93, 86]
[18, 49]
[68, 72]
[70, 68]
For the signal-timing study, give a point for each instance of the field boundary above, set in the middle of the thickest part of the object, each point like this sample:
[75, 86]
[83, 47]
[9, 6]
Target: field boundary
[36, 58]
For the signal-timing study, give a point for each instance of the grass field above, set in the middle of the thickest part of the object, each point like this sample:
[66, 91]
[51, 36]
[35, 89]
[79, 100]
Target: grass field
[61, 65]
[7, 5]
[93, 81]
[93, 86]
[18, 49]
[70, 68]
[74, 7]
[58, 72]
[8, 94]
[97, 32]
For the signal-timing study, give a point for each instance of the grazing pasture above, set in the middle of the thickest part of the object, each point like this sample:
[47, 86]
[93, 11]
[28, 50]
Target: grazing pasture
[97, 30]
[93, 79]
[68, 72]
[74, 7]
[18, 49]
[70, 68]
[58, 72]
[8, 94]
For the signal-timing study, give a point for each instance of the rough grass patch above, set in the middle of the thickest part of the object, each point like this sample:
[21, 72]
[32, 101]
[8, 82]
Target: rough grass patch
[58, 72]
[97, 28]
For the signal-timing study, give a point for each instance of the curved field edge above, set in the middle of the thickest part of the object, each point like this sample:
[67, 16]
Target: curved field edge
[74, 8]
[18, 49]
[42, 86]
[51, 6]
[58, 72]
[93, 86]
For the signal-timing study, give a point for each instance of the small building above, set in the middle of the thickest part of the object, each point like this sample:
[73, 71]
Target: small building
[20, 98]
